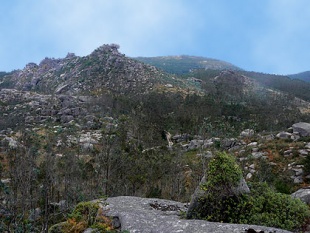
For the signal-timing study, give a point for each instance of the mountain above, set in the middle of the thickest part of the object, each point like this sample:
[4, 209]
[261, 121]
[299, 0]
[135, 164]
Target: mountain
[200, 67]
[185, 64]
[78, 128]
[62, 90]
[105, 69]
[305, 76]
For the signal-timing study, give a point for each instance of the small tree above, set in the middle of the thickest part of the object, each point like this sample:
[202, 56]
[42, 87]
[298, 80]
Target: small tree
[222, 179]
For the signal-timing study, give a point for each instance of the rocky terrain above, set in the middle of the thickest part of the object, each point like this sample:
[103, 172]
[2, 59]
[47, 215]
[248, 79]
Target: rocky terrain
[143, 215]
[78, 128]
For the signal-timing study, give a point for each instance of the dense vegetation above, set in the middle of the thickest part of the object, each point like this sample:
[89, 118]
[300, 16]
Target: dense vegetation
[262, 206]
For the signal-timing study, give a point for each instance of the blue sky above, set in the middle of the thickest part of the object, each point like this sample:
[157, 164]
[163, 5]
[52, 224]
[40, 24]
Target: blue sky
[271, 36]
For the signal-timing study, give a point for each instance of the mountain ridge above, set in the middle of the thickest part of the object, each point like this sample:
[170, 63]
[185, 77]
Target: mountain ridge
[185, 63]
[305, 76]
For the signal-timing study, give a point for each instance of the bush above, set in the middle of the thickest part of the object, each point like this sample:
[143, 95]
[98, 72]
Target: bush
[223, 175]
[85, 215]
[262, 206]
[276, 209]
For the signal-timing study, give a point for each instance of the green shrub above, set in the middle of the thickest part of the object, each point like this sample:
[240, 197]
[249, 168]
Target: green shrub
[276, 209]
[222, 172]
[85, 215]
[262, 206]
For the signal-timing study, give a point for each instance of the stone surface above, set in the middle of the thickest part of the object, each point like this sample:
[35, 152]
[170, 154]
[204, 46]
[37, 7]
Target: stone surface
[303, 194]
[228, 143]
[257, 155]
[149, 215]
[247, 133]
[194, 144]
[284, 135]
[302, 128]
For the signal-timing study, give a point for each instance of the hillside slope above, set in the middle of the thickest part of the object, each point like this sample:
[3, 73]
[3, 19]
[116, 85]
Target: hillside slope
[305, 76]
[185, 64]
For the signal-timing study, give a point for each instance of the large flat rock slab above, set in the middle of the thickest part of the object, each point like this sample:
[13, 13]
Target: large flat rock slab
[150, 215]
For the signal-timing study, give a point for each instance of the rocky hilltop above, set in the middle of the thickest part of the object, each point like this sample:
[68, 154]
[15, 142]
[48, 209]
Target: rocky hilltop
[105, 69]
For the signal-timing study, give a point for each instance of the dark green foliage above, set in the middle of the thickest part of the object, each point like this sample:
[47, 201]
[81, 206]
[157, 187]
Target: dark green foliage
[276, 209]
[155, 192]
[223, 173]
[85, 211]
[282, 185]
[5, 80]
[306, 163]
[262, 206]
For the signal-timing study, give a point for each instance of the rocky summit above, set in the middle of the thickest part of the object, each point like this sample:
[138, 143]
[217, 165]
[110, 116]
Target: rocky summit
[104, 69]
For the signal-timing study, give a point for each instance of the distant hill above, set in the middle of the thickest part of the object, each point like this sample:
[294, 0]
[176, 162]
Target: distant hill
[303, 76]
[186, 64]
[294, 87]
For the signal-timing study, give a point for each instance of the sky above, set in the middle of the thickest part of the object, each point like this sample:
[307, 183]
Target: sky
[270, 36]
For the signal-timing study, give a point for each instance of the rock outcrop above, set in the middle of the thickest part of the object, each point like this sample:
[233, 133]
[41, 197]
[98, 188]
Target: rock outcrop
[144, 215]
[302, 128]
[303, 194]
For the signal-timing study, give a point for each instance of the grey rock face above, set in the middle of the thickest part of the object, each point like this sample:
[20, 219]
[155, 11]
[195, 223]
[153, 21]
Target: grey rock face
[302, 128]
[228, 143]
[303, 194]
[284, 135]
[13, 144]
[145, 215]
[247, 133]
[257, 155]
[194, 144]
